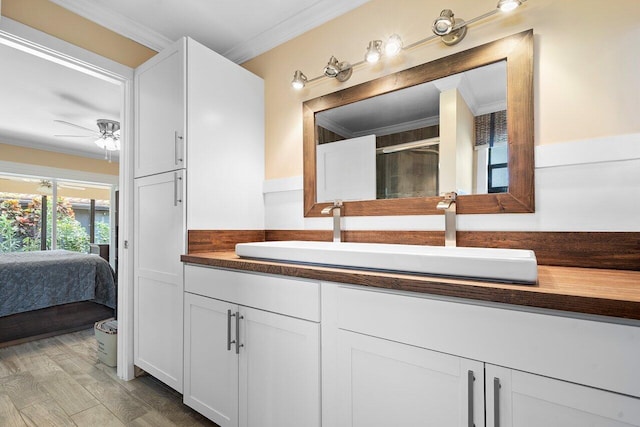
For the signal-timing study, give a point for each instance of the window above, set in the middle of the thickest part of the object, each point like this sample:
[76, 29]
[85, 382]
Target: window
[498, 171]
[26, 214]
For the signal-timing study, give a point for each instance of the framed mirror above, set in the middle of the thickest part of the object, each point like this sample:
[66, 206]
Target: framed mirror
[420, 149]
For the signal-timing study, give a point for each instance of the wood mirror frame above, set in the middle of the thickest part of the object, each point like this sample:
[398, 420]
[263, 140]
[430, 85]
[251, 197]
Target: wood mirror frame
[517, 50]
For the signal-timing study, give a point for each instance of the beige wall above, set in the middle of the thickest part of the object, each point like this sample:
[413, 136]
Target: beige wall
[52, 19]
[586, 74]
[13, 153]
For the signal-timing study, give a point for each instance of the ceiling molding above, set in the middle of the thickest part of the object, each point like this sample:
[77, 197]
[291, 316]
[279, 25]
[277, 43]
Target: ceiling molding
[116, 22]
[321, 12]
[333, 126]
[401, 127]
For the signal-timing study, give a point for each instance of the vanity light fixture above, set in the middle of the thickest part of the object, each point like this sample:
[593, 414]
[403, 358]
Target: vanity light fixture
[374, 51]
[509, 5]
[299, 80]
[393, 46]
[450, 29]
[341, 71]
[447, 27]
[444, 23]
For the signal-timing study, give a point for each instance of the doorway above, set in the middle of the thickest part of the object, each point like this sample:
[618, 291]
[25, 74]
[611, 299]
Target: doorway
[41, 45]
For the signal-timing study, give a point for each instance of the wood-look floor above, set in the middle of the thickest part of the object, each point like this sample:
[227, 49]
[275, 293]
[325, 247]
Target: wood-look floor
[59, 381]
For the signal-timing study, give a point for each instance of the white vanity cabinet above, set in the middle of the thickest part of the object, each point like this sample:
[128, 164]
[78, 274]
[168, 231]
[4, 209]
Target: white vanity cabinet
[520, 399]
[199, 151]
[252, 348]
[386, 383]
[398, 358]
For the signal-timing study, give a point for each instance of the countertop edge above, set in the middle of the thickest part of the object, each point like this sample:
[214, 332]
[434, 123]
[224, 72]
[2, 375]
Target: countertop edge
[542, 296]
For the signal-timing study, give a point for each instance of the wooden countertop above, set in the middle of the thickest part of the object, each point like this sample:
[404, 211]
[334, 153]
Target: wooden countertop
[614, 293]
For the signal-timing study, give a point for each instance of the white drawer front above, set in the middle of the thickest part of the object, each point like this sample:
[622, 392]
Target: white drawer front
[292, 297]
[589, 352]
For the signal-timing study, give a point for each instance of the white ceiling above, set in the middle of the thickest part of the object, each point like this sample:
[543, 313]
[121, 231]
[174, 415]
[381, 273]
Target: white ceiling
[484, 90]
[238, 30]
[36, 91]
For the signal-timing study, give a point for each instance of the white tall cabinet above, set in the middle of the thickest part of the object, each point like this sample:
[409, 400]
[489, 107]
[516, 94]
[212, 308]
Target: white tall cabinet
[199, 164]
[159, 223]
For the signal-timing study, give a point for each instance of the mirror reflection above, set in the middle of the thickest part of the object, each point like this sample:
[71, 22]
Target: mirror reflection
[445, 135]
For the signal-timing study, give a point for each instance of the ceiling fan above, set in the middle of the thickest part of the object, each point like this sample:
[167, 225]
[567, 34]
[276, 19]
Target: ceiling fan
[108, 134]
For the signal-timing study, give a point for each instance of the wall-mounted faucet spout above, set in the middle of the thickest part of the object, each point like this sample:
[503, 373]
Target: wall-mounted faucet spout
[336, 208]
[448, 204]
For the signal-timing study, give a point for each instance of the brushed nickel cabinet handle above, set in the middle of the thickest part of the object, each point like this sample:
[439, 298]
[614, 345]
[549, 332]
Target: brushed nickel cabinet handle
[470, 379]
[496, 402]
[176, 178]
[229, 342]
[176, 141]
[237, 341]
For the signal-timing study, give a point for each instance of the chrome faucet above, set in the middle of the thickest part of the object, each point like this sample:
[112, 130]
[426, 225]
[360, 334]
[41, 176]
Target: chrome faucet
[336, 208]
[448, 205]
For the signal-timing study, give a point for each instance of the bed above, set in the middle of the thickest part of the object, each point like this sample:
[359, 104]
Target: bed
[48, 292]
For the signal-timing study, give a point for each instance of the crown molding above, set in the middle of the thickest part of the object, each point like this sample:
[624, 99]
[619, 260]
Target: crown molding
[116, 22]
[321, 12]
[318, 14]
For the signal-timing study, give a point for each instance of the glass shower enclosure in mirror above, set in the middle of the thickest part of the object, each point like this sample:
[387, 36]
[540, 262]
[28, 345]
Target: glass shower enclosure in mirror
[448, 134]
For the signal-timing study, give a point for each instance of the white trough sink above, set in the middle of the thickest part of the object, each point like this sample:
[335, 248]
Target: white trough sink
[506, 265]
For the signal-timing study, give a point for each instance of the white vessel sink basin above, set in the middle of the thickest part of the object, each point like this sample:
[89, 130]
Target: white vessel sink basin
[508, 265]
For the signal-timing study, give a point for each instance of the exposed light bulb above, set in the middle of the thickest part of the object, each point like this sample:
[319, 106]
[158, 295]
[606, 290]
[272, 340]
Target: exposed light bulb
[508, 5]
[373, 51]
[299, 80]
[393, 45]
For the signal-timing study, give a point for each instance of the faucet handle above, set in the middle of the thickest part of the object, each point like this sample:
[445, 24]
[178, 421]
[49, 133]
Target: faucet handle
[450, 196]
[336, 205]
[448, 200]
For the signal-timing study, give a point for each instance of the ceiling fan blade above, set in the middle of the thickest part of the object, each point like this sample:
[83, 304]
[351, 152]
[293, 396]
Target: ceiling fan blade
[77, 126]
[75, 136]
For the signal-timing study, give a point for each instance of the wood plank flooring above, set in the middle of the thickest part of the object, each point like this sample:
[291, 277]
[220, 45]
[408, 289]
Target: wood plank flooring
[59, 381]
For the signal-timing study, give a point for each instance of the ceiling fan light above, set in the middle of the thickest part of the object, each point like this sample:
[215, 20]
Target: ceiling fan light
[108, 143]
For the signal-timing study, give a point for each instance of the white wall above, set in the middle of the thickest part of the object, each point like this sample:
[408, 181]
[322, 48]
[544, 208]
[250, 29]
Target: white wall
[588, 185]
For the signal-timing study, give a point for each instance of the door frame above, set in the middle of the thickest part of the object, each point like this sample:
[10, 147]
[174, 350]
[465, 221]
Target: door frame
[35, 42]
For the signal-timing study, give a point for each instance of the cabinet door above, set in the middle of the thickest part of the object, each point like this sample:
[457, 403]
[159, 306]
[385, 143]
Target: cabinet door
[160, 88]
[226, 143]
[210, 359]
[158, 277]
[385, 383]
[279, 370]
[520, 399]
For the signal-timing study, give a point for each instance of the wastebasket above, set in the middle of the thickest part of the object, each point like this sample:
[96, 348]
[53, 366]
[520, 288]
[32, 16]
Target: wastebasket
[107, 336]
